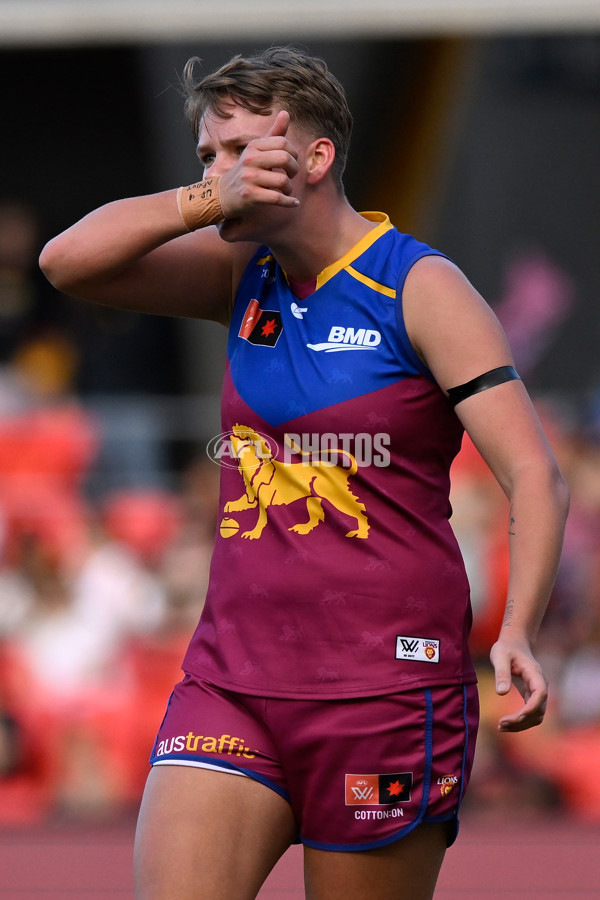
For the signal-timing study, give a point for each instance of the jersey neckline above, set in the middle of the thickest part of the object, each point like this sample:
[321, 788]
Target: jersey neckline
[383, 225]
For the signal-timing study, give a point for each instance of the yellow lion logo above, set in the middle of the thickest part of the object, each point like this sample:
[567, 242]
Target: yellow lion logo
[272, 483]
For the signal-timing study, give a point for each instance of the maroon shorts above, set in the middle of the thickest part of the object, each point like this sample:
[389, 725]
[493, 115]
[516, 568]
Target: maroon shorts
[358, 773]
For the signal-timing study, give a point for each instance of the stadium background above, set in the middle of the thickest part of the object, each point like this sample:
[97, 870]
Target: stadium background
[477, 127]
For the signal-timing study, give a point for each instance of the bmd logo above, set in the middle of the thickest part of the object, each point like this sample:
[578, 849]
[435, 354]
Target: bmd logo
[362, 337]
[341, 338]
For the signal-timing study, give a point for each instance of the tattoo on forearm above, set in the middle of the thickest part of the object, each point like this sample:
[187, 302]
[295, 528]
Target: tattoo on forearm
[511, 526]
[508, 612]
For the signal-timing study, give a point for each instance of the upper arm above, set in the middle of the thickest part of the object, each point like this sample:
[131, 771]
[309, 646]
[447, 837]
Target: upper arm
[458, 336]
[132, 254]
[450, 325]
[195, 275]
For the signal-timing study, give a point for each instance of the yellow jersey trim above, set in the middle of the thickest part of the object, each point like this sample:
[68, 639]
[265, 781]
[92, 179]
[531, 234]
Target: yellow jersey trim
[374, 285]
[383, 225]
[365, 242]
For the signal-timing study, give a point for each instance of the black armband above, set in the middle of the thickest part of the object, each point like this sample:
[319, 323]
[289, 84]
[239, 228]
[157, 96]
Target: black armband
[482, 383]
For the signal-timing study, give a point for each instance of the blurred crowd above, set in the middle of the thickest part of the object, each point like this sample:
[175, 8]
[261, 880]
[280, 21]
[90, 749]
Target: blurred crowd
[100, 591]
[102, 579]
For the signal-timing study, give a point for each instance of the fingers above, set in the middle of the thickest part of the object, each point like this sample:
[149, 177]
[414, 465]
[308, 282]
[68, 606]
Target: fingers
[530, 715]
[503, 680]
[518, 666]
[270, 185]
[241, 190]
[271, 159]
[274, 151]
[502, 663]
[264, 173]
[281, 124]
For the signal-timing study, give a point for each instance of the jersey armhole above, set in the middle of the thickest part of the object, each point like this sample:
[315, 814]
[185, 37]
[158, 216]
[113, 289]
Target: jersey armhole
[235, 318]
[407, 347]
[260, 253]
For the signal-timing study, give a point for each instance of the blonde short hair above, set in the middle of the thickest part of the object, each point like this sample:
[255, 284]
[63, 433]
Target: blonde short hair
[283, 77]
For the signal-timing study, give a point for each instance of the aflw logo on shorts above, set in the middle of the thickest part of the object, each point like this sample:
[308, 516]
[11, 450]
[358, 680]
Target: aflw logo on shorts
[418, 648]
[378, 790]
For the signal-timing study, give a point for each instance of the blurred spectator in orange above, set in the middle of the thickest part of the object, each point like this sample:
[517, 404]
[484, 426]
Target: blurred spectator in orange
[68, 682]
[47, 445]
[182, 566]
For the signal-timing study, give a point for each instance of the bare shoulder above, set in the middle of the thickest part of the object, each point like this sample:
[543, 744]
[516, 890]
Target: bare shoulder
[449, 323]
[437, 285]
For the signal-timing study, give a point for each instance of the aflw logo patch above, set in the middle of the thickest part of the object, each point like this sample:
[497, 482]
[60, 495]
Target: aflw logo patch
[418, 648]
[378, 790]
[261, 327]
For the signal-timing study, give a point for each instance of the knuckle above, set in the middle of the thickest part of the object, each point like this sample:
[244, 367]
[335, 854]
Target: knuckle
[281, 180]
[250, 156]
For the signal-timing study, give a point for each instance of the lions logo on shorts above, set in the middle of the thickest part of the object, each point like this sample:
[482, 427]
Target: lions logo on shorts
[447, 784]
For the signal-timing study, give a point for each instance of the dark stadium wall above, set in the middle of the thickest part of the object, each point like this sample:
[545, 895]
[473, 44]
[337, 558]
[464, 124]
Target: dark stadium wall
[487, 148]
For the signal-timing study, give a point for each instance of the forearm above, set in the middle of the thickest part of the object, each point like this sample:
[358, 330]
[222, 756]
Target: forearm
[539, 506]
[538, 511]
[108, 241]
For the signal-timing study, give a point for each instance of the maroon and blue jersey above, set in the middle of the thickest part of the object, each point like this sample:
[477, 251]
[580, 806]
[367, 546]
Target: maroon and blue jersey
[335, 571]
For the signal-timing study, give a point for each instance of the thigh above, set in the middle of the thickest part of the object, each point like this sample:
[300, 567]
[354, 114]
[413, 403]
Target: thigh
[405, 870]
[206, 834]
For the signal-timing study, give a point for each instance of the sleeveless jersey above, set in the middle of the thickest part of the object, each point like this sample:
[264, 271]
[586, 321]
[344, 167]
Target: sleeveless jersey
[335, 571]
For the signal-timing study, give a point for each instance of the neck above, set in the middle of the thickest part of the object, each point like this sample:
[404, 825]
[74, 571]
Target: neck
[322, 235]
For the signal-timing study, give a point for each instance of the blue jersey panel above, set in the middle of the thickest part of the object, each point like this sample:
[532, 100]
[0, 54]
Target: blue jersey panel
[345, 340]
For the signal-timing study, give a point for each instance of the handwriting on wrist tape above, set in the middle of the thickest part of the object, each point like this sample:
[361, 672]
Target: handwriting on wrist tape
[199, 204]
